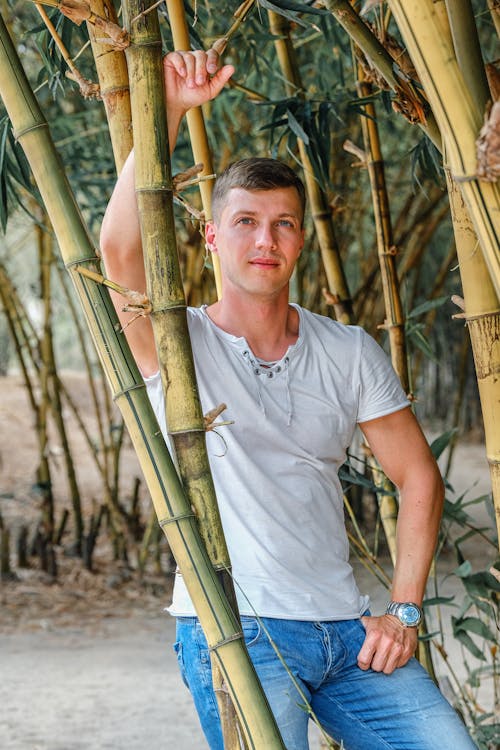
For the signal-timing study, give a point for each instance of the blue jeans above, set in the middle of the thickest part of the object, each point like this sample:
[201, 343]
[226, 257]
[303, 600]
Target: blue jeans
[366, 710]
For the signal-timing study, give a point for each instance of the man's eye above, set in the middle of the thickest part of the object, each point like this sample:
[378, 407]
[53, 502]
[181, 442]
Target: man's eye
[244, 220]
[285, 223]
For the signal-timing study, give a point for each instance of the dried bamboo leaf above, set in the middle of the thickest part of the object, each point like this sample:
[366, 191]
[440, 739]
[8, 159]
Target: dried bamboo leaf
[409, 102]
[493, 76]
[488, 146]
[79, 11]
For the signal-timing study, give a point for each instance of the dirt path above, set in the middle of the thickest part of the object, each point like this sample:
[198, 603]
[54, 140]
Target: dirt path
[115, 688]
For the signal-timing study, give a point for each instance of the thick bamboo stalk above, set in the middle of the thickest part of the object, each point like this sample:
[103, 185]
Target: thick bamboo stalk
[321, 212]
[482, 314]
[198, 137]
[112, 72]
[154, 192]
[381, 61]
[458, 118]
[468, 50]
[174, 512]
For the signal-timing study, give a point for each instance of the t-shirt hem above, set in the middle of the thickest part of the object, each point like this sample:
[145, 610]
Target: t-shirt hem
[309, 617]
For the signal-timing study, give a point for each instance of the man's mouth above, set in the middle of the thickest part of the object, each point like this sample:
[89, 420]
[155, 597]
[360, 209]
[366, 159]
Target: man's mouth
[264, 262]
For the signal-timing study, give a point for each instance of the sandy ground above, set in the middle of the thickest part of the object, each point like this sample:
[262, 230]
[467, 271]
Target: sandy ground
[84, 669]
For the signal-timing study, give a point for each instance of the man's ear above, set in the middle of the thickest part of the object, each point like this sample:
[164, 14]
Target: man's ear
[210, 234]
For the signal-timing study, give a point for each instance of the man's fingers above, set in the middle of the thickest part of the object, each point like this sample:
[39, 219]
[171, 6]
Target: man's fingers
[365, 655]
[176, 60]
[219, 80]
[387, 645]
[212, 61]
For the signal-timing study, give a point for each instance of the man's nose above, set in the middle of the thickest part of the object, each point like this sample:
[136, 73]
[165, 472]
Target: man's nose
[266, 237]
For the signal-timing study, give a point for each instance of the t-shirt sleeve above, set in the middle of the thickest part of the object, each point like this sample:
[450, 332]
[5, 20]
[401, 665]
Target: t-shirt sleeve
[380, 391]
[155, 392]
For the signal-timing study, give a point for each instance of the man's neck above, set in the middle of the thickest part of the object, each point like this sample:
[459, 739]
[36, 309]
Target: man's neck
[269, 326]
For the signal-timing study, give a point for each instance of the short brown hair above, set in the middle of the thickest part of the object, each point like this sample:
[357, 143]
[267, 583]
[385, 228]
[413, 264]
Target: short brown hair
[255, 174]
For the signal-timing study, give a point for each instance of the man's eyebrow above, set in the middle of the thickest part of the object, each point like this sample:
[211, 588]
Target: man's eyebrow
[249, 212]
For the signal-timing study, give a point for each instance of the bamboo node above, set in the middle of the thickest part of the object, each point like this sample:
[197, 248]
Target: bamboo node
[18, 134]
[124, 392]
[174, 519]
[230, 639]
[88, 89]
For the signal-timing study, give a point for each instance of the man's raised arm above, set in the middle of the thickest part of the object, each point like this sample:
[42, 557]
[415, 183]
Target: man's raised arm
[191, 79]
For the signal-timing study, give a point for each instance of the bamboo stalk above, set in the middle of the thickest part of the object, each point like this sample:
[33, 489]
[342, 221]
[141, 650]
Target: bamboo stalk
[394, 321]
[468, 50]
[196, 125]
[458, 118]
[482, 315]
[184, 417]
[173, 510]
[112, 72]
[50, 381]
[202, 155]
[383, 63]
[321, 212]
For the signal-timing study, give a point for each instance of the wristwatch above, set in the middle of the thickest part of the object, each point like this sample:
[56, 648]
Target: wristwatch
[409, 614]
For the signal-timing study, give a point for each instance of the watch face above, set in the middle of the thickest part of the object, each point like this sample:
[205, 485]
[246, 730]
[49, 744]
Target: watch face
[409, 614]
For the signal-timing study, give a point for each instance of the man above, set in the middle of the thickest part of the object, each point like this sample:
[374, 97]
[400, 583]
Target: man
[296, 385]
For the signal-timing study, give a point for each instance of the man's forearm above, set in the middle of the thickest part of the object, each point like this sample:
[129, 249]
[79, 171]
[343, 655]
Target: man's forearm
[417, 529]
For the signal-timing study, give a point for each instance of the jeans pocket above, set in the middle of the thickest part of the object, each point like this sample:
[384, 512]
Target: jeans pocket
[180, 661]
[251, 630]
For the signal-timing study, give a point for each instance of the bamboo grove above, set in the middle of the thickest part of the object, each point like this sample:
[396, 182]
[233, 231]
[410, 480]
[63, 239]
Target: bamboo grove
[389, 109]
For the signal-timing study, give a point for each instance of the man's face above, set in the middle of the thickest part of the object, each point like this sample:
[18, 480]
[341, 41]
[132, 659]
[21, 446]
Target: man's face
[258, 239]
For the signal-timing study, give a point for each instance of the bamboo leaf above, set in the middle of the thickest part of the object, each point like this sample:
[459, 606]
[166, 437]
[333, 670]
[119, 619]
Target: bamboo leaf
[455, 512]
[415, 332]
[476, 626]
[440, 443]
[469, 644]
[296, 128]
[435, 600]
[3, 180]
[432, 304]
[278, 6]
[464, 570]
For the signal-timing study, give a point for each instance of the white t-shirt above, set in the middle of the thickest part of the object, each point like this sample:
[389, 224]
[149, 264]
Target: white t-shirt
[276, 468]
